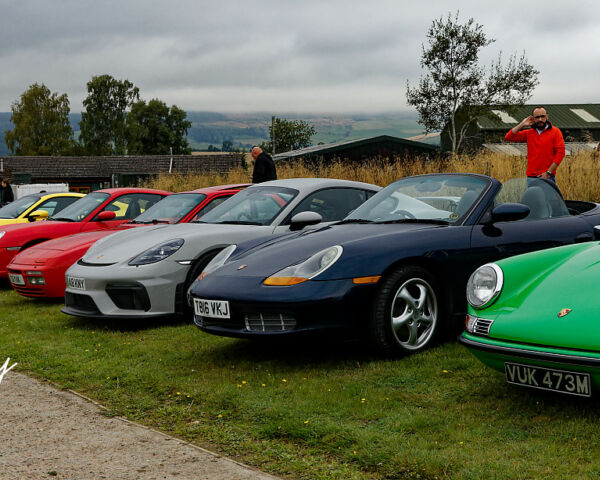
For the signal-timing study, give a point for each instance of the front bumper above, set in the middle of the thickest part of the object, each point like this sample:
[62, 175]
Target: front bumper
[305, 308]
[122, 291]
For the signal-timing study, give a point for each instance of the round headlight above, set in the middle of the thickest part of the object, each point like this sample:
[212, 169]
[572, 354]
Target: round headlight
[484, 286]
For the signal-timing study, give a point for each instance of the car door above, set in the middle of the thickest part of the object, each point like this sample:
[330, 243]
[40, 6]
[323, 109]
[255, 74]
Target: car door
[548, 225]
[333, 204]
[126, 207]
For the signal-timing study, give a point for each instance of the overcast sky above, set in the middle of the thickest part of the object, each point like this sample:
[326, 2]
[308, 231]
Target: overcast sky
[281, 55]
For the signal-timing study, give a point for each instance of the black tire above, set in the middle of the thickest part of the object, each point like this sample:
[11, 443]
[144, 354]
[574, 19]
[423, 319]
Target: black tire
[411, 295]
[195, 270]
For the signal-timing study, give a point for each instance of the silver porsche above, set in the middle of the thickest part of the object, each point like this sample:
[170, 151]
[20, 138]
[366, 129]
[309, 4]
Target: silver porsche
[147, 272]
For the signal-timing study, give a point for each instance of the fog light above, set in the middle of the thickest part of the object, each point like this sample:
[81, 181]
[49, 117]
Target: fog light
[36, 281]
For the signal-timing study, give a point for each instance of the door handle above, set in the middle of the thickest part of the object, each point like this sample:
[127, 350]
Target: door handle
[584, 237]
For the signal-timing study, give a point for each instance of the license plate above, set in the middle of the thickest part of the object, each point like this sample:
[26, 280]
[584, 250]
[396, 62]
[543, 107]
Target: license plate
[573, 383]
[16, 279]
[211, 308]
[76, 283]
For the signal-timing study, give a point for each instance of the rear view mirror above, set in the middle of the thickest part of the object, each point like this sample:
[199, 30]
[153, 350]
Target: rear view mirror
[509, 212]
[105, 215]
[38, 215]
[303, 219]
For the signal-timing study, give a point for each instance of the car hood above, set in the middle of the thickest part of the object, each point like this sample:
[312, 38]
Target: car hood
[361, 243]
[124, 245]
[530, 312]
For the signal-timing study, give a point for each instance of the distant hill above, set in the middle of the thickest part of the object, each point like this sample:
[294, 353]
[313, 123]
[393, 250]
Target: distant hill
[245, 130]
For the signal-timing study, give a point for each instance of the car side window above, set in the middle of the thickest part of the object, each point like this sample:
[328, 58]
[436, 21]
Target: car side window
[331, 203]
[56, 204]
[127, 207]
[215, 202]
[544, 201]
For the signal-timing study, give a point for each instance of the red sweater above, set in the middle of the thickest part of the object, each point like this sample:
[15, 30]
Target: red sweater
[542, 148]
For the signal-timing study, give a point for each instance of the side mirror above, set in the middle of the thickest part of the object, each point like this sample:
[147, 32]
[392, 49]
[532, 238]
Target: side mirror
[509, 212]
[38, 215]
[303, 219]
[105, 215]
[597, 232]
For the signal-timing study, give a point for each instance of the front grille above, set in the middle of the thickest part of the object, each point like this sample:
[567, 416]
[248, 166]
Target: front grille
[269, 322]
[129, 297]
[482, 326]
[80, 302]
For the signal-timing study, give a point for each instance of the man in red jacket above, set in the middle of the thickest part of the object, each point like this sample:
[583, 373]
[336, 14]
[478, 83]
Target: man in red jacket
[545, 144]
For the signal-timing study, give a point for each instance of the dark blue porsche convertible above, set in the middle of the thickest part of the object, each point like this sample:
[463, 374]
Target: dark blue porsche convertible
[395, 269]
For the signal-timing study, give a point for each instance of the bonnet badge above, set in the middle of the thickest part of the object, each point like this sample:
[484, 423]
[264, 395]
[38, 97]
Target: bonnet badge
[242, 266]
[563, 312]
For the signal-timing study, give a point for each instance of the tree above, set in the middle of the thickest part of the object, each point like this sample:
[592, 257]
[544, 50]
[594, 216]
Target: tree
[153, 129]
[289, 135]
[103, 124]
[456, 81]
[41, 123]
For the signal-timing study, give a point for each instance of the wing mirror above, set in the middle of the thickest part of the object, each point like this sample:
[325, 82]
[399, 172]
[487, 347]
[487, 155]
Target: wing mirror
[509, 212]
[303, 219]
[38, 215]
[597, 232]
[105, 215]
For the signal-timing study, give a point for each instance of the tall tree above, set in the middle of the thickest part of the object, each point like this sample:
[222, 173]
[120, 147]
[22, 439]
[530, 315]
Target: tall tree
[41, 123]
[153, 128]
[103, 124]
[455, 80]
[288, 135]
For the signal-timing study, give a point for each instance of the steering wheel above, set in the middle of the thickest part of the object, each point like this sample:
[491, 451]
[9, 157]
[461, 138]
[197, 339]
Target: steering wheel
[405, 214]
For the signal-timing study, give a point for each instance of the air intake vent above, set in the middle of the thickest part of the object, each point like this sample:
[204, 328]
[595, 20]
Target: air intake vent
[269, 322]
[482, 326]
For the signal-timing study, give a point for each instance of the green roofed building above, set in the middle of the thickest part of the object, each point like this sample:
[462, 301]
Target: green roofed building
[579, 123]
[382, 146]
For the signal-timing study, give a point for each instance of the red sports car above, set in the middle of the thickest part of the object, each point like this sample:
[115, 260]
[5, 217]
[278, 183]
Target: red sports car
[99, 210]
[40, 270]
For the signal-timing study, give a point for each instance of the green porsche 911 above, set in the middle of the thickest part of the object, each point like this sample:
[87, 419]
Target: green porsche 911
[536, 317]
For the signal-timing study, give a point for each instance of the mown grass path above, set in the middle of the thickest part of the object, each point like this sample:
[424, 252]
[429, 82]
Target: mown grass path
[310, 410]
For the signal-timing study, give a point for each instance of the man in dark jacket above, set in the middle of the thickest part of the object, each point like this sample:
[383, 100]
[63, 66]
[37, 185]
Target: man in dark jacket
[264, 167]
[6, 193]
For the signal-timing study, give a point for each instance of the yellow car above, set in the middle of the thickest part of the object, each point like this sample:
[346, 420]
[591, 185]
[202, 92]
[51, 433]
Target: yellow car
[36, 206]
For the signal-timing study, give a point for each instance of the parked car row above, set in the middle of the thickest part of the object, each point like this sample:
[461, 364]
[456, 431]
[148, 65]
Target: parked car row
[304, 256]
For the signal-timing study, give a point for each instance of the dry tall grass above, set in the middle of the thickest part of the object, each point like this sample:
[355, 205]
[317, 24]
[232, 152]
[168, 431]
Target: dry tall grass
[578, 175]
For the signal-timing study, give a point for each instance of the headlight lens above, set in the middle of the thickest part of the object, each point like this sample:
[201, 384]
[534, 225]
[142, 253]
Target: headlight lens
[306, 270]
[485, 285]
[157, 253]
[2, 233]
[218, 260]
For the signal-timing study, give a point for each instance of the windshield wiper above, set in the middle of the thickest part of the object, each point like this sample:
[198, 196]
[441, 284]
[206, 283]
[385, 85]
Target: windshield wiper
[238, 222]
[353, 220]
[416, 220]
[62, 219]
[154, 221]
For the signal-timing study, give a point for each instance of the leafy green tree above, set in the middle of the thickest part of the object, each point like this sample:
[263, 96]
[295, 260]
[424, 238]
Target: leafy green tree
[455, 80]
[103, 124]
[41, 123]
[153, 128]
[227, 146]
[289, 135]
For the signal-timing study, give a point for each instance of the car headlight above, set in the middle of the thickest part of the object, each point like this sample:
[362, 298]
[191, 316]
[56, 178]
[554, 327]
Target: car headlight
[218, 261]
[157, 253]
[2, 233]
[306, 270]
[484, 285]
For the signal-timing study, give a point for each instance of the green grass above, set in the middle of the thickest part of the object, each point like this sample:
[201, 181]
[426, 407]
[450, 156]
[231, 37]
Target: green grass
[310, 410]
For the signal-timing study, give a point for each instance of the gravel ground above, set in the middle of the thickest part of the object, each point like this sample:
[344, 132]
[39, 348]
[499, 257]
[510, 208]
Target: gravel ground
[50, 433]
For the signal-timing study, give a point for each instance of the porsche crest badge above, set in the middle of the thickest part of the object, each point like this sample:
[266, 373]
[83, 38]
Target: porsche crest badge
[242, 266]
[563, 312]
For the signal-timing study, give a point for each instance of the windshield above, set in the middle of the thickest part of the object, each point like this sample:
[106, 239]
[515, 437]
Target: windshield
[80, 209]
[445, 198]
[171, 209]
[253, 206]
[16, 208]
